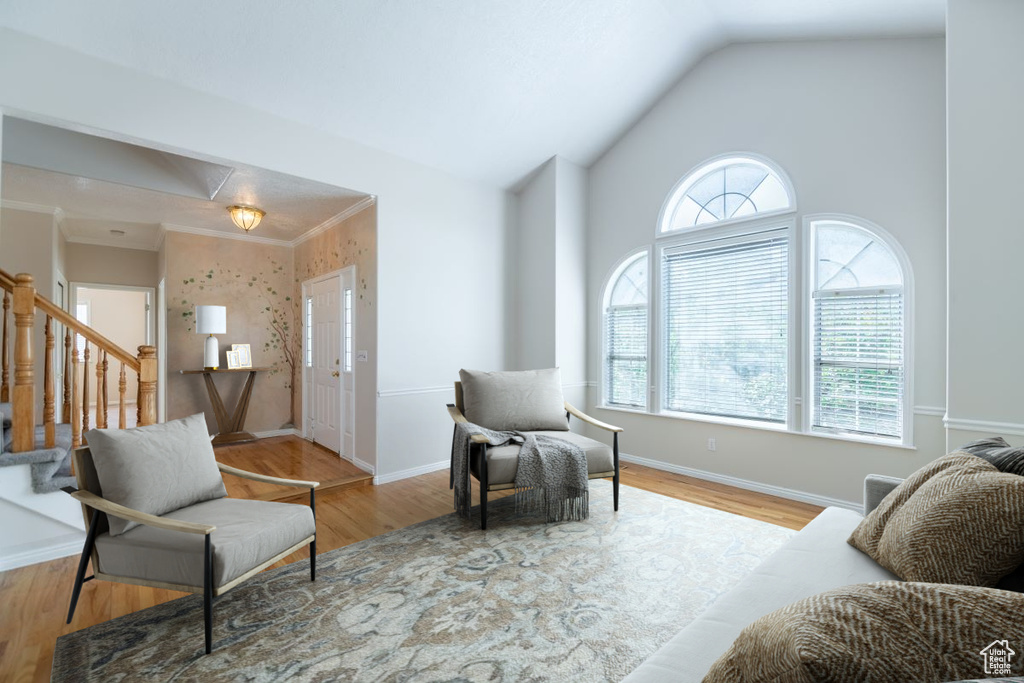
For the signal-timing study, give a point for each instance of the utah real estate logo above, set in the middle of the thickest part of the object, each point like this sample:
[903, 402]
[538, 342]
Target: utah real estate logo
[997, 658]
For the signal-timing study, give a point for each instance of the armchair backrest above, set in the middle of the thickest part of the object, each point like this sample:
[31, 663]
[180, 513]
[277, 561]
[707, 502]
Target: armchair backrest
[459, 403]
[88, 480]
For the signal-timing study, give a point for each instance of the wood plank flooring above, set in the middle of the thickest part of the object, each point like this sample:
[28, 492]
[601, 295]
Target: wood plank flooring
[34, 600]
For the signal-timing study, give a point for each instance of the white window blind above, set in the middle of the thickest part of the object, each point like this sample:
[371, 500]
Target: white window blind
[625, 352]
[858, 362]
[725, 312]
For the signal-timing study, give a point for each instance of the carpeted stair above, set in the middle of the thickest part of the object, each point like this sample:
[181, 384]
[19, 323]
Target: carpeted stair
[51, 467]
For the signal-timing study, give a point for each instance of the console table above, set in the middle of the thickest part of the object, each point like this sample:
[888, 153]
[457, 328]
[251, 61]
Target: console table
[231, 430]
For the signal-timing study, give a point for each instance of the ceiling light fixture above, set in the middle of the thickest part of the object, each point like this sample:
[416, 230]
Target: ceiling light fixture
[246, 217]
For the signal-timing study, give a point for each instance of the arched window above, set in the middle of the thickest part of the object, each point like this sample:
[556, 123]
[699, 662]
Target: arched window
[625, 334]
[858, 343]
[725, 189]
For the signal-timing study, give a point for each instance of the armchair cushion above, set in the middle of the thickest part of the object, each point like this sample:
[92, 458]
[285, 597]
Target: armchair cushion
[525, 400]
[249, 532]
[155, 469]
[503, 461]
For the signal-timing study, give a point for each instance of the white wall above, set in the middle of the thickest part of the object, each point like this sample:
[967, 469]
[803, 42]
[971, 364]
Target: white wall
[859, 126]
[571, 277]
[434, 230]
[536, 270]
[985, 53]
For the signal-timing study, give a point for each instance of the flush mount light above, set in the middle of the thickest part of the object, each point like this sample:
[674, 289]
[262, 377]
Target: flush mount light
[246, 217]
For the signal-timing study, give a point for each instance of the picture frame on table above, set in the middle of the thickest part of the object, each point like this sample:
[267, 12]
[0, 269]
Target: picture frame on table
[233, 360]
[244, 355]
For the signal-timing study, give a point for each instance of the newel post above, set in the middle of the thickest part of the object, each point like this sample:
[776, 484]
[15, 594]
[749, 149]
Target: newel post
[147, 385]
[23, 397]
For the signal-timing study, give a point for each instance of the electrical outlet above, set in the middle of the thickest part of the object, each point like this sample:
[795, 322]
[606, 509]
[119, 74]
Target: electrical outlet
[712, 445]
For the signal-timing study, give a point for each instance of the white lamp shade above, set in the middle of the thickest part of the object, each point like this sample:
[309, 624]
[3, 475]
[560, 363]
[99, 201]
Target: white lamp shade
[211, 319]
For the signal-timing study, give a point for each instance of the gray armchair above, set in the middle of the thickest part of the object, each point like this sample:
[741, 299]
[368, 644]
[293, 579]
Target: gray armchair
[494, 467]
[209, 547]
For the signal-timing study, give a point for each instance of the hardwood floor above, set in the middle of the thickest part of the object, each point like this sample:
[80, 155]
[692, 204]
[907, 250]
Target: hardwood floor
[34, 600]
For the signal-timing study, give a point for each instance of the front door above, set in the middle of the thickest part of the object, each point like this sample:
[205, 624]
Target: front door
[327, 359]
[348, 394]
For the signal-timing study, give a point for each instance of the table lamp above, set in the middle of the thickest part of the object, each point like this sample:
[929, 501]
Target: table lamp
[211, 320]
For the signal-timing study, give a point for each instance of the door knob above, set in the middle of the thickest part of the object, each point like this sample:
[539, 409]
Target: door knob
[335, 374]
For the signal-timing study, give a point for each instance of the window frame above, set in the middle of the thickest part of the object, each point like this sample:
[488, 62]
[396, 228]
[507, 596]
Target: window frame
[672, 198]
[750, 228]
[810, 222]
[610, 281]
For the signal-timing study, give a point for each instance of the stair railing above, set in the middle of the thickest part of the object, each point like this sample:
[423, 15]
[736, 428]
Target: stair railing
[20, 294]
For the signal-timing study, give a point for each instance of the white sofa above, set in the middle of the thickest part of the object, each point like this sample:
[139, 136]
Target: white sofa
[816, 559]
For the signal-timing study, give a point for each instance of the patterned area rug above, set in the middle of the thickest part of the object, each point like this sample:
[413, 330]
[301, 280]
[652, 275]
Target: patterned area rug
[444, 601]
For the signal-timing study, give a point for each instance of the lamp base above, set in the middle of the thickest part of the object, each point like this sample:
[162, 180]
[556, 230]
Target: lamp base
[211, 356]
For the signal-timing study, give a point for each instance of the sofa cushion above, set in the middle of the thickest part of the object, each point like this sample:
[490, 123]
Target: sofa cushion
[525, 400]
[249, 532]
[888, 632]
[816, 559]
[957, 520]
[155, 469]
[503, 461]
[997, 451]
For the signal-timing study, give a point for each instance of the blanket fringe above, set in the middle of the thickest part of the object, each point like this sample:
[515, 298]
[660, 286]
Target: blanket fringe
[564, 504]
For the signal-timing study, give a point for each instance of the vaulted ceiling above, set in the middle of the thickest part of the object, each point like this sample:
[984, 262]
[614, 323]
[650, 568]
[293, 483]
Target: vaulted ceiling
[484, 89]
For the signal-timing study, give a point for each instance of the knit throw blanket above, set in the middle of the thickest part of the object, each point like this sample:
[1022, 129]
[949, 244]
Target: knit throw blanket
[552, 473]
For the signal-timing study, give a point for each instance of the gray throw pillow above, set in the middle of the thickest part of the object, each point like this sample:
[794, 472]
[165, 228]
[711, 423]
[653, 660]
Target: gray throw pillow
[525, 400]
[156, 469]
[997, 451]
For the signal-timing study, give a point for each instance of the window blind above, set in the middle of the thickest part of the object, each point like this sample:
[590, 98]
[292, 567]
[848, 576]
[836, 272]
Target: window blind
[725, 312]
[626, 356]
[858, 362]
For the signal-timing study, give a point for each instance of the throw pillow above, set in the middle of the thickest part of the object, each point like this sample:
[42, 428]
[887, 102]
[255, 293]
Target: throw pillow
[957, 520]
[1002, 455]
[155, 469]
[885, 632]
[527, 400]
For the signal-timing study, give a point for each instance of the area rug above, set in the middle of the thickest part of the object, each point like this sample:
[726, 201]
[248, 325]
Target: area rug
[444, 601]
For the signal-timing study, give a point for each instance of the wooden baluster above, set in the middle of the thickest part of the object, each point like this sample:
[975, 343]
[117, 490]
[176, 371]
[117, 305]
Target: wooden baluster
[101, 417]
[147, 385]
[24, 394]
[65, 408]
[49, 424]
[122, 386]
[5, 376]
[76, 410]
[85, 388]
[106, 396]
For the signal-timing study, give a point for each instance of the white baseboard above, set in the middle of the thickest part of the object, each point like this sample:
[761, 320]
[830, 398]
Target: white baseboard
[780, 491]
[277, 432]
[411, 472]
[364, 466]
[42, 551]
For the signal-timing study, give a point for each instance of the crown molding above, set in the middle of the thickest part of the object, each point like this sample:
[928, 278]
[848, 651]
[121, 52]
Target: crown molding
[361, 205]
[240, 236]
[111, 242]
[28, 206]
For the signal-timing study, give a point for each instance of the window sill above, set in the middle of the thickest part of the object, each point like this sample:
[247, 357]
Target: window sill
[766, 427]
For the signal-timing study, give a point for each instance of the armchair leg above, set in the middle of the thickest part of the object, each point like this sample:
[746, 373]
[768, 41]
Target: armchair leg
[208, 594]
[451, 462]
[90, 541]
[615, 480]
[483, 486]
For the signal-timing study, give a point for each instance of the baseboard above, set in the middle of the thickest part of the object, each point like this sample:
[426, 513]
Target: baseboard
[42, 551]
[779, 491]
[364, 466]
[411, 472]
[277, 432]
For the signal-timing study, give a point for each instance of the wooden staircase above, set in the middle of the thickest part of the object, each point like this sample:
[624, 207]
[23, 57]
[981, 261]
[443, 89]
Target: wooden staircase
[45, 444]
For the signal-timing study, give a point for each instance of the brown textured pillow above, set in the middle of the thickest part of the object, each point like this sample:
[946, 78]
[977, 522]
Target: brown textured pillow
[885, 632]
[957, 520]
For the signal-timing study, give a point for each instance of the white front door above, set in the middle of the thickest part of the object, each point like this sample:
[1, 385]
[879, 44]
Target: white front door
[327, 359]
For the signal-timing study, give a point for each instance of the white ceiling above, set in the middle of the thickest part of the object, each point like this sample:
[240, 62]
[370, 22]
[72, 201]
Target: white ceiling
[484, 89]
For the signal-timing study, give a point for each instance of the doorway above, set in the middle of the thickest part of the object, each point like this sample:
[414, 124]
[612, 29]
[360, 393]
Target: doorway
[124, 315]
[328, 404]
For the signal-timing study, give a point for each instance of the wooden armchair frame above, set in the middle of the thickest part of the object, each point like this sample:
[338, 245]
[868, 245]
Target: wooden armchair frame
[478, 452]
[99, 505]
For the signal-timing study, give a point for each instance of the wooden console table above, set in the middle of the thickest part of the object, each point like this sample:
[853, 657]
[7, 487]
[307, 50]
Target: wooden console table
[233, 430]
